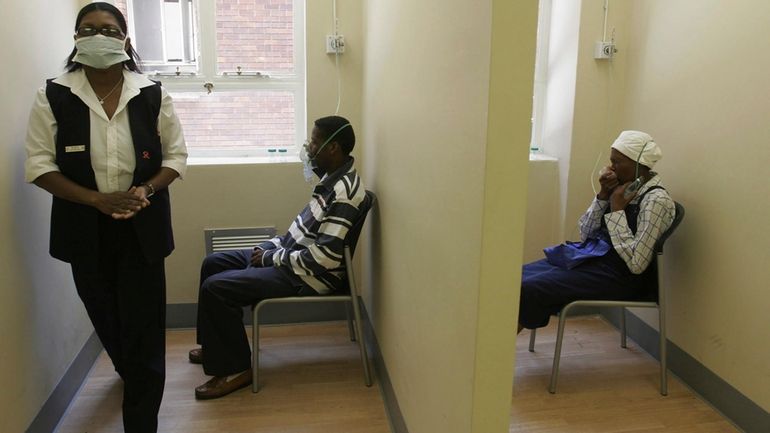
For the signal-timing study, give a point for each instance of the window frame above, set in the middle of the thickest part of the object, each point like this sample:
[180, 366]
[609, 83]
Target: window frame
[540, 84]
[206, 58]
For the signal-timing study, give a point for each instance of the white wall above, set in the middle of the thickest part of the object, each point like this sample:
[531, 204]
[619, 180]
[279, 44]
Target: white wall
[445, 247]
[599, 95]
[584, 100]
[250, 195]
[698, 81]
[695, 78]
[43, 323]
[543, 223]
[558, 119]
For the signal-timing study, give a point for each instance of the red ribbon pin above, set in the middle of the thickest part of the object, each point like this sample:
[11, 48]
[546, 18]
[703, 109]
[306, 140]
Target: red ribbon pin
[146, 155]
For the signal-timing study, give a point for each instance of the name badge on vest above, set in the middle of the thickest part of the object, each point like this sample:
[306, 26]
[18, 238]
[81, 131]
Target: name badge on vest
[78, 148]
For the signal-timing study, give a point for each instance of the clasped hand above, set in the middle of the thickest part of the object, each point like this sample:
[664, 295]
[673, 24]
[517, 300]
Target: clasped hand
[122, 205]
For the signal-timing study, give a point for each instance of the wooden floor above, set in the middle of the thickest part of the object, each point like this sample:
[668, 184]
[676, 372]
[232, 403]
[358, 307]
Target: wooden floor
[311, 377]
[602, 388]
[312, 381]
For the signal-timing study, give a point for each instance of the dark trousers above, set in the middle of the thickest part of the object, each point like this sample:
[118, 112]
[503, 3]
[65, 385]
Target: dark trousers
[546, 289]
[229, 283]
[125, 297]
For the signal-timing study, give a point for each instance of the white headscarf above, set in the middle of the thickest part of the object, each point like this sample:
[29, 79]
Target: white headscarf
[638, 145]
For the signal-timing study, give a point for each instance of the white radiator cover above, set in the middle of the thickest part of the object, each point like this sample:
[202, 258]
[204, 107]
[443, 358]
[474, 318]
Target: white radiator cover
[228, 239]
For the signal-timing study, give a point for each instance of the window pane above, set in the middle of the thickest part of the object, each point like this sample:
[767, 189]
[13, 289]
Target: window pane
[173, 30]
[243, 123]
[257, 35]
[164, 34]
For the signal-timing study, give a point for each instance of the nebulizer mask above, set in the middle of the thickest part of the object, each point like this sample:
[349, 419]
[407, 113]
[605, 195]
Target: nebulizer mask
[309, 164]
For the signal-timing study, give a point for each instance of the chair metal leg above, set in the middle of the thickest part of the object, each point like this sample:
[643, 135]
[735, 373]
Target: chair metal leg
[255, 351]
[361, 346]
[351, 330]
[557, 351]
[663, 367]
[623, 327]
[532, 340]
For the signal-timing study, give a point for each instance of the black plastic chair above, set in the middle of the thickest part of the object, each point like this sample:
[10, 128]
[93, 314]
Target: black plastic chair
[354, 324]
[660, 304]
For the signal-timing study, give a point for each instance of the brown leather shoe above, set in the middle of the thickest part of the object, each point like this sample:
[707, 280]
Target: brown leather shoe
[196, 356]
[219, 386]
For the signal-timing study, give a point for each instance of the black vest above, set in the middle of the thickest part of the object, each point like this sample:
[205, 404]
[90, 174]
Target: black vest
[74, 227]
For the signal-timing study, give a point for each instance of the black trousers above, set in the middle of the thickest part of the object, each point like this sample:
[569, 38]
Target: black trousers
[229, 283]
[125, 297]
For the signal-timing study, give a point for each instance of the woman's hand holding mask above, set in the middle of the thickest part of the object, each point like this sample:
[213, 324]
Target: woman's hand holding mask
[609, 181]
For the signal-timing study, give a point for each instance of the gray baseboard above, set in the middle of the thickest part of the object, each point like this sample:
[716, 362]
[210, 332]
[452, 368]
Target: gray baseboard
[56, 405]
[742, 411]
[392, 410]
[184, 315]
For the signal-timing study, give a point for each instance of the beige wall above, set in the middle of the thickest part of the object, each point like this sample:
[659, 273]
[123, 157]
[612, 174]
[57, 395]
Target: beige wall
[451, 190]
[598, 100]
[251, 195]
[321, 76]
[543, 220]
[559, 116]
[238, 195]
[704, 93]
[40, 314]
[584, 98]
[43, 323]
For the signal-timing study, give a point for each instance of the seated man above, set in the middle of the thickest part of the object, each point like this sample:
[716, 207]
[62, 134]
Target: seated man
[618, 233]
[307, 260]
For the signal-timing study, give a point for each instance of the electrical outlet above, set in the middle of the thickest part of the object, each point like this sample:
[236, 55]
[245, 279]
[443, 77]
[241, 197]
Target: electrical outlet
[335, 44]
[604, 50]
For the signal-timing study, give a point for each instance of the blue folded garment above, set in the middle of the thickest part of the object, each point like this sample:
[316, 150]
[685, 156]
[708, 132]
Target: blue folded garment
[570, 254]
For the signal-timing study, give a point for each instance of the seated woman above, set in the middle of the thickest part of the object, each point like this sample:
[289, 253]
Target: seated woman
[618, 233]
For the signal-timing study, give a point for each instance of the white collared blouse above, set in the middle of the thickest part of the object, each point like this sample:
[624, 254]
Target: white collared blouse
[112, 149]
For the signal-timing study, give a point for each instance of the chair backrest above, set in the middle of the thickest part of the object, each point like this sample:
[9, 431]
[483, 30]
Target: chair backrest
[678, 217]
[351, 240]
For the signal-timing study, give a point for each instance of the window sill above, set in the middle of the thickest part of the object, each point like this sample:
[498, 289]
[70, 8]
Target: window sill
[203, 160]
[542, 157]
[533, 157]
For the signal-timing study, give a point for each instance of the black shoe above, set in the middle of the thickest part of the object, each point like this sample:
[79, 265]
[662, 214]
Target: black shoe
[196, 356]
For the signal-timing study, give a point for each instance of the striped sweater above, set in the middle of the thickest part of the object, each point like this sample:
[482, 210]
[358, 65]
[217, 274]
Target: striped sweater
[313, 247]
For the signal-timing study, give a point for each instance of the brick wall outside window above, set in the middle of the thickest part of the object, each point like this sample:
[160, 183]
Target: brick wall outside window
[257, 35]
[236, 120]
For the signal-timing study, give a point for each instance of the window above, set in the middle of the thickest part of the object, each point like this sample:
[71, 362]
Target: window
[235, 69]
[541, 74]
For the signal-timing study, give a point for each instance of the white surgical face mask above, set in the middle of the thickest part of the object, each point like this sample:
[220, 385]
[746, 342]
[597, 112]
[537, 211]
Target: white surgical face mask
[307, 164]
[100, 52]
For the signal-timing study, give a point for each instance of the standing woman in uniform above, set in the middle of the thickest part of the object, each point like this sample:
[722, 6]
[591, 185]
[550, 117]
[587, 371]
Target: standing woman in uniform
[105, 141]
